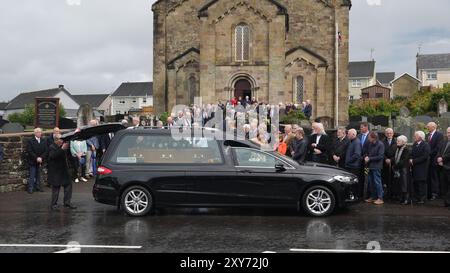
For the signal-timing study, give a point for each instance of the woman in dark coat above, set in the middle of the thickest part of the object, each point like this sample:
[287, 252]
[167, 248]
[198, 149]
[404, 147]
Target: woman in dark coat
[419, 160]
[400, 168]
[58, 172]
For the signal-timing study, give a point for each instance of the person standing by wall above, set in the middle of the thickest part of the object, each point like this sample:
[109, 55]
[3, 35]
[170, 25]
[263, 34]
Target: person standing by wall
[419, 162]
[58, 173]
[299, 146]
[340, 148]
[78, 150]
[374, 161]
[37, 151]
[443, 160]
[92, 146]
[434, 139]
[307, 110]
[353, 159]
[2, 154]
[400, 169]
[319, 144]
[390, 147]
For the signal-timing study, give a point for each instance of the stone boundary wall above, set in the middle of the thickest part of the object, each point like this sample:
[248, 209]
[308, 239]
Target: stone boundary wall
[13, 170]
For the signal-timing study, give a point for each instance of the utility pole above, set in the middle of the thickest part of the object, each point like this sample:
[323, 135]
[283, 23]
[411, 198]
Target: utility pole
[336, 95]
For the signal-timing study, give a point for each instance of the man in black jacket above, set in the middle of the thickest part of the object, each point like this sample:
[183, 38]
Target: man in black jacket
[419, 161]
[434, 139]
[308, 109]
[37, 151]
[390, 147]
[340, 148]
[443, 160]
[58, 172]
[319, 144]
[299, 146]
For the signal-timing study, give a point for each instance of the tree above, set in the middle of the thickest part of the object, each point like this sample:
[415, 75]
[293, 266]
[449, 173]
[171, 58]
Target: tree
[26, 118]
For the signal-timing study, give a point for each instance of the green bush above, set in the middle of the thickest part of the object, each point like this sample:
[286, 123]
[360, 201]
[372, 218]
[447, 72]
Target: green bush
[164, 117]
[294, 117]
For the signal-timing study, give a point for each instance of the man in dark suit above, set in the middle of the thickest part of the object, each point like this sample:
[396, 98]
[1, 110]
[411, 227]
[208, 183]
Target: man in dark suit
[104, 141]
[308, 109]
[419, 162]
[58, 172]
[319, 144]
[37, 151]
[1, 152]
[340, 148]
[434, 139]
[364, 142]
[443, 160]
[299, 146]
[390, 147]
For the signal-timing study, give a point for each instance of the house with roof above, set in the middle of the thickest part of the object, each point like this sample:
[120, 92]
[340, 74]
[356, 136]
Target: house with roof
[18, 104]
[405, 86]
[2, 109]
[376, 91]
[101, 103]
[433, 69]
[385, 78]
[361, 75]
[132, 96]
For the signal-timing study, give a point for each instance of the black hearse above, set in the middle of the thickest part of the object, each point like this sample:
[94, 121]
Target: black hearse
[148, 168]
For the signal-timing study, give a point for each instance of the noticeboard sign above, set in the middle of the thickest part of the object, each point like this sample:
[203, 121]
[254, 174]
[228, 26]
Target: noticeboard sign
[47, 113]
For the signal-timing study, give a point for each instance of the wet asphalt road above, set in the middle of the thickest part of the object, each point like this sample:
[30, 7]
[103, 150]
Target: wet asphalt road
[26, 219]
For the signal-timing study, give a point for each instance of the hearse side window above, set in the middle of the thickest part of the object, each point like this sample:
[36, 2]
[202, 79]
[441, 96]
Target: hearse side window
[254, 158]
[163, 149]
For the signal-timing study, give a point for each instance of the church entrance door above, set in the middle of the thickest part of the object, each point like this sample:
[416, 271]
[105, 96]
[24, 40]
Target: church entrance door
[243, 88]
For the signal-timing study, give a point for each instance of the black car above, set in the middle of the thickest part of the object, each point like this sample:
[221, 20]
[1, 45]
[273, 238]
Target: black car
[147, 168]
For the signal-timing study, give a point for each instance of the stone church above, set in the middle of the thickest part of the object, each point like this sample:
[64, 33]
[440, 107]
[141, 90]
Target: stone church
[273, 50]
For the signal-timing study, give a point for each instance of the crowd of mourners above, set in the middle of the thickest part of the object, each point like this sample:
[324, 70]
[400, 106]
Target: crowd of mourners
[387, 166]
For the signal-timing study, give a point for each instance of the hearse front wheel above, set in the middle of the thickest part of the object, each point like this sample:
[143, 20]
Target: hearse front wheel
[318, 201]
[136, 201]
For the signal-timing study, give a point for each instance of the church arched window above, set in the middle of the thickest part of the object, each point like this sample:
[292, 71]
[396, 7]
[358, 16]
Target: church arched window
[242, 34]
[192, 89]
[300, 89]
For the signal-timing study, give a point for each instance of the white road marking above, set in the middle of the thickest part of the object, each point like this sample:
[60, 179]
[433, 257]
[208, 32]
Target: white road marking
[65, 246]
[366, 251]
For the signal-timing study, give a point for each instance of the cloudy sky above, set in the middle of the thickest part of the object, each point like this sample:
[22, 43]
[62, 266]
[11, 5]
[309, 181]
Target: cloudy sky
[91, 46]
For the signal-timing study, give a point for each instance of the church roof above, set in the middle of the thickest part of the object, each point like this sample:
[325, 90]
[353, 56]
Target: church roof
[192, 49]
[281, 9]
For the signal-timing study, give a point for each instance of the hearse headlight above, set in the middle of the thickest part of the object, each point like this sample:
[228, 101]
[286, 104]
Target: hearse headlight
[341, 178]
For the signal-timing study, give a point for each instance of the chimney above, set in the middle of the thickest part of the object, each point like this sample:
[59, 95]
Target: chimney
[61, 86]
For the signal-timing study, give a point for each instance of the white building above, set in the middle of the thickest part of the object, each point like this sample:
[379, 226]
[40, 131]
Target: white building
[433, 69]
[131, 96]
[361, 75]
[18, 104]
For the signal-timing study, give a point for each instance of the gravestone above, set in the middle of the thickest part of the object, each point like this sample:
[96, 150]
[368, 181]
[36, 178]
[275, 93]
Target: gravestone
[328, 122]
[423, 119]
[445, 115]
[404, 112]
[444, 122]
[407, 131]
[358, 119]
[443, 107]
[380, 120]
[12, 128]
